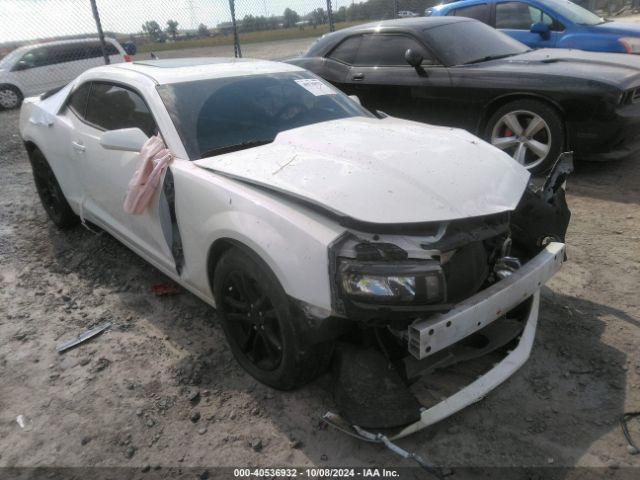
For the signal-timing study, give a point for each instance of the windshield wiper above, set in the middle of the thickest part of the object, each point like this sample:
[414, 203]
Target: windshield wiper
[490, 57]
[234, 148]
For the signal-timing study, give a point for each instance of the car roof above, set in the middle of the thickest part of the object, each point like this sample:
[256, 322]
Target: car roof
[31, 46]
[411, 24]
[199, 68]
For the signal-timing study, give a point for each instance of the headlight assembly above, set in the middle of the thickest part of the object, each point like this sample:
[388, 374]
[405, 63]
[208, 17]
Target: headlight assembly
[402, 283]
[630, 44]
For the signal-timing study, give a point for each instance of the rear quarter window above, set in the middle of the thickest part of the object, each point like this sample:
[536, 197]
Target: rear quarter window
[78, 100]
[346, 51]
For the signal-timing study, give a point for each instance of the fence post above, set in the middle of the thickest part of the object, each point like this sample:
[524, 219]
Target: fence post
[332, 27]
[236, 40]
[103, 44]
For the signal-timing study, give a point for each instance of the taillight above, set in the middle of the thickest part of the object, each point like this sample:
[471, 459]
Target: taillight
[127, 58]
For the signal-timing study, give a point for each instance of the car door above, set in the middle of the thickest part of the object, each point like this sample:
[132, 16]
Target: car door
[516, 18]
[383, 80]
[106, 173]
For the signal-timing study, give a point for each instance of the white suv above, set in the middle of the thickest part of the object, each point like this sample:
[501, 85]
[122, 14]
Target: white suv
[34, 69]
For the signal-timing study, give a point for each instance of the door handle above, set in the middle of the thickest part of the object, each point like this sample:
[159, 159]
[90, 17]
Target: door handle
[358, 76]
[78, 146]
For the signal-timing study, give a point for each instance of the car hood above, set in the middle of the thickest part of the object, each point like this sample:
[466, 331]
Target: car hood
[618, 69]
[616, 28]
[388, 171]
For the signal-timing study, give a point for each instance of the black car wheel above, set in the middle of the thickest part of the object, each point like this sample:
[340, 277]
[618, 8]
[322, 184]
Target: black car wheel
[265, 336]
[51, 196]
[530, 131]
[10, 97]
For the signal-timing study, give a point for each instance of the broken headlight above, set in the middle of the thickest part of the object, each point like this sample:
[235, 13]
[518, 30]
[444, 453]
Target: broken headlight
[403, 283]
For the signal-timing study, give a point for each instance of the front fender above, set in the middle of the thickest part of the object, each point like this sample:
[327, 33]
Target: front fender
[591, 42]
[292, 240]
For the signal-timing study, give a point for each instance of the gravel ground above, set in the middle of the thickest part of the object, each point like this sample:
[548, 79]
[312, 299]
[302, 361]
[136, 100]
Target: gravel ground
[161, 389]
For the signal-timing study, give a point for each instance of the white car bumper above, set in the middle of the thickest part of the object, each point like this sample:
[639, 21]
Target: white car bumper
[470, 316]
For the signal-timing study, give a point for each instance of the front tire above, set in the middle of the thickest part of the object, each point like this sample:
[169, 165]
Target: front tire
[10, 97]
[50, 193]
[262, 329]
[530, 131]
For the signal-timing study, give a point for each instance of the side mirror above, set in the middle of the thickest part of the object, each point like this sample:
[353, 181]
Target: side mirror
[413, 58]
[541, 29]
[125, 139]
[356, 99]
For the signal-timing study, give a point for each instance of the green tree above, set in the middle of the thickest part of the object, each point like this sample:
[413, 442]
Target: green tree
[291, 17]
[153, 30]
[172, 28]
[203, 31]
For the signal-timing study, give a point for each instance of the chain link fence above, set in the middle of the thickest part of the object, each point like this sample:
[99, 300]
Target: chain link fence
[74, 35]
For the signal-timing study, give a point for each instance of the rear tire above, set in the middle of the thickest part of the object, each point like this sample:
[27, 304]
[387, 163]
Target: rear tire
[530, 131]
[50, 193]
[263, 331]
[10, 97]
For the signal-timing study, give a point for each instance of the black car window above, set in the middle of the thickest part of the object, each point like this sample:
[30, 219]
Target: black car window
[479, 12]
[346, 51]
[94, 49]
[68, 53]
[78, 100]
[111, 107]
[38, 57]
[388, 50]
[519, 16]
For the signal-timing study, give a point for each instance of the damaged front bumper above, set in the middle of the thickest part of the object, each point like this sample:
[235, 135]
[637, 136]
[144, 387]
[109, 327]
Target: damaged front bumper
[429, 336]
[435, 334]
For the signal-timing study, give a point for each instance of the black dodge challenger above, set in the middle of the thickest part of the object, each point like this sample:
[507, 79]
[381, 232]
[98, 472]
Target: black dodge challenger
[457, 71]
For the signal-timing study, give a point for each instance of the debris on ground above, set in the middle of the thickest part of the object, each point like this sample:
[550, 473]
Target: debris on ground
[83, 337]
[164, 289]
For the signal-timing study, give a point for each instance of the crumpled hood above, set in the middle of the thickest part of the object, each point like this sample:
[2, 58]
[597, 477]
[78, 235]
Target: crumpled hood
[387, 171]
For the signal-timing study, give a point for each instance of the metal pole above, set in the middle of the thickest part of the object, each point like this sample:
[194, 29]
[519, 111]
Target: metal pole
[236, 40]
[332, 27]
[103, 44]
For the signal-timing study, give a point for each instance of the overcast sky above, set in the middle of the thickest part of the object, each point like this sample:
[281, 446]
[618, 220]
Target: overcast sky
[28, 19]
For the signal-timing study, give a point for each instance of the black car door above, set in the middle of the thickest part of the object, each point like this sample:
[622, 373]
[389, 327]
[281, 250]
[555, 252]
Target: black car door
[383, 80]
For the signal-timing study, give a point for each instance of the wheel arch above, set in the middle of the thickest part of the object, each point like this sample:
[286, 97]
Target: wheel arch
[502, 100]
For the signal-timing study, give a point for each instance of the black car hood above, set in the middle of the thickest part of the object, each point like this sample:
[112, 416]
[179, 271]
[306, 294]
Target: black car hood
[616, 69]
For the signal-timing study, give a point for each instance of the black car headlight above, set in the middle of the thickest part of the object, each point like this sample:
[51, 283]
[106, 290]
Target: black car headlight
[402, 283]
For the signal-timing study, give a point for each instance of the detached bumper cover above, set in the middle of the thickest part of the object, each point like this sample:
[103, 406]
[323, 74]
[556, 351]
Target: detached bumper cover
[427, 337]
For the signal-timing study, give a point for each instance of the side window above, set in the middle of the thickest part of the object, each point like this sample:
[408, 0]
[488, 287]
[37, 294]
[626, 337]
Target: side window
[78, 99]
[347, 50]
[38, 57]
[519, 16]
[94, 49]
[112, 107]
[388, 50]
[68, 53]
[479, 12]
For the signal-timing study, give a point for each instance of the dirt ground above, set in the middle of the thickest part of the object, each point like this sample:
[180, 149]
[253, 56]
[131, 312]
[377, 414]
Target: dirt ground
[161, 389]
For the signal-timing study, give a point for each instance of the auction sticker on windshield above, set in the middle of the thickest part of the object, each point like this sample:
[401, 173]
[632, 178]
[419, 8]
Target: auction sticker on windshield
[315, 86]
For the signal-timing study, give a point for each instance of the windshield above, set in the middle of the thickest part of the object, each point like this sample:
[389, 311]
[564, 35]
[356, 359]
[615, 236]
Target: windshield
[572, 12]
[460, 43]
[8, 60]
[222, 115]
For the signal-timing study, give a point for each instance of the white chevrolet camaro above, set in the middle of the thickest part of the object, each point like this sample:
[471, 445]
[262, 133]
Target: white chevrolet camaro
[306, 220]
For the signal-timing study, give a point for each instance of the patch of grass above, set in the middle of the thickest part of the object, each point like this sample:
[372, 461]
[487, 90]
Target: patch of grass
[249, 37]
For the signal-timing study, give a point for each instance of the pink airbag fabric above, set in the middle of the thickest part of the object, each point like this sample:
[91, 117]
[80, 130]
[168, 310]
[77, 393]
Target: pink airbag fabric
[154, 158]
